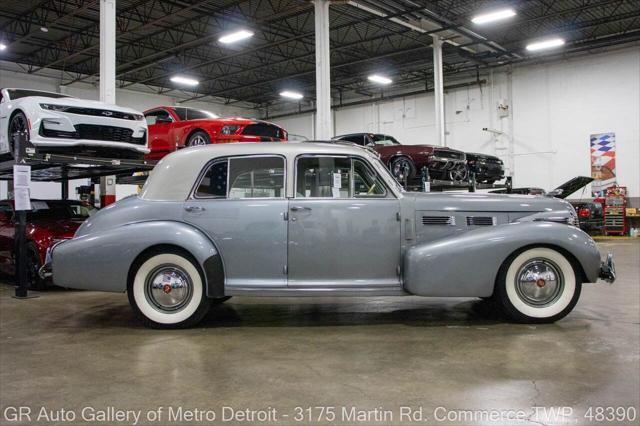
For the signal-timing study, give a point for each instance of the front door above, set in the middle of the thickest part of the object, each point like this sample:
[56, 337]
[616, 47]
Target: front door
[343, 225]
[240, 203]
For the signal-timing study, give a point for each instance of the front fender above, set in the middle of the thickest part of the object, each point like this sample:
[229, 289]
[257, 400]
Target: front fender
[467, 264]
[101, 260]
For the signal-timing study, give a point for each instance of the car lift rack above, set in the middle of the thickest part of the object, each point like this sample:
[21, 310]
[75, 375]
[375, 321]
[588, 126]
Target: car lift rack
[57, 168]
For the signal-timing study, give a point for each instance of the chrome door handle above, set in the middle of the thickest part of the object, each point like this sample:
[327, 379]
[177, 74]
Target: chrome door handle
[193, 209]
[298, 208]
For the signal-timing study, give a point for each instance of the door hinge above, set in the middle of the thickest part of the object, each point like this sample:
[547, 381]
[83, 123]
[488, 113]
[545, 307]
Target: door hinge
[398, 218]
[285, 270]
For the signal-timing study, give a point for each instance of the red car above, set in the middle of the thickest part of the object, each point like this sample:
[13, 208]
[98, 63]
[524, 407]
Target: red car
[49, 221]
[172, 128]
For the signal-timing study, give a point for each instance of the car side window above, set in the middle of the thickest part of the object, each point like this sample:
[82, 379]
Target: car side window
[256, 177]
[337, 177]
[153, 116]
[366, 182]
[214, 181]
[243, 177]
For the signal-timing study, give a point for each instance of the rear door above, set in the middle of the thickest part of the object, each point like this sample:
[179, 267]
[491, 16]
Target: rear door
[240, 203]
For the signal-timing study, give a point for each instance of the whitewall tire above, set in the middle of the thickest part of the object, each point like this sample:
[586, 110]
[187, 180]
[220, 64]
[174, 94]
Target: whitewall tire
[167, 291]
[537, 285]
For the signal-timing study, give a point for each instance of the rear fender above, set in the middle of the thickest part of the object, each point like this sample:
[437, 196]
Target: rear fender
[102, 260]
[467, 264]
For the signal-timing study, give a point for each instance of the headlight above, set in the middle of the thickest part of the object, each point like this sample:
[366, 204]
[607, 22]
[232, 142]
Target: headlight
[229, 130]
[52, 107]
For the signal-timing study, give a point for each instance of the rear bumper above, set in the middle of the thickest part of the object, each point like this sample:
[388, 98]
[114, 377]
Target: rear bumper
[608, 270]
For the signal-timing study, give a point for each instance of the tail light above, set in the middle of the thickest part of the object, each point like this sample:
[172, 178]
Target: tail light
[584, 213]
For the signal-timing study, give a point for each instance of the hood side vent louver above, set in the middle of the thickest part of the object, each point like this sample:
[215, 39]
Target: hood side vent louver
[481, 221]
[438, 220]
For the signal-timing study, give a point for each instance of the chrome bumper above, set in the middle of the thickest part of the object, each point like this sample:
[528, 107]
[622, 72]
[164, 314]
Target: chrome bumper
[608, 269]
[45, 270]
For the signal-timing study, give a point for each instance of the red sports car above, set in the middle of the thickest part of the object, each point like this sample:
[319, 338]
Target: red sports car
[172, 128]
[49, 221]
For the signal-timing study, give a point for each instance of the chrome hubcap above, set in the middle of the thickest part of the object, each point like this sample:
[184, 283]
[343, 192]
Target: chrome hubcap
[168, 288]
[458, 173]
[401, 169]
[198, 141]
[539, 282]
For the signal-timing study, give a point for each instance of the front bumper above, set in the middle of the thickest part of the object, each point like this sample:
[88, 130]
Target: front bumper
[608, 270]
[45, 270]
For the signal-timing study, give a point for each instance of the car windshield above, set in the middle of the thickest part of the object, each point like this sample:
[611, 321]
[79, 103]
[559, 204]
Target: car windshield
[23, 93]
[56, 210]
[186, 114]
[384, 140]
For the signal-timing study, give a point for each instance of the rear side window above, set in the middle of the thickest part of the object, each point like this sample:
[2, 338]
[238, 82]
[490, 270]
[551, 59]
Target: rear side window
[244, 177]
[185, 114]
[214, 182]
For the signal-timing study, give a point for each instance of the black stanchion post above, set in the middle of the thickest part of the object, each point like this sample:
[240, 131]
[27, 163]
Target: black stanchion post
[509, 183]
[22, 289]
[472, 182]
[21, 197]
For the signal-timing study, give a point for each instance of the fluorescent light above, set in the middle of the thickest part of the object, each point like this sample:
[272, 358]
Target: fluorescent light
[380, 79]
[291, 95]
[493, 16]
[545, 44]
[44, 29]
[2, 46]
[235, 36]
[184, 80]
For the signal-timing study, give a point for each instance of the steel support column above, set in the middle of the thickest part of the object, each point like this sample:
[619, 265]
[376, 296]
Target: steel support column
[438, 90]
[107, 80]
[324, 127]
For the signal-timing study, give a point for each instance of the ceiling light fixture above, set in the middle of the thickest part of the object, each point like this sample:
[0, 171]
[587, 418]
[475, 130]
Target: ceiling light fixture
[545, 44]
[44, 29]
[291, 95]
[498, 15]
[2, 46]
[380, 79]
[235, 36]
[184, 80]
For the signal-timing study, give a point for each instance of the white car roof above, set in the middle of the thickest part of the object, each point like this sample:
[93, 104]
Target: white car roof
[174, 176]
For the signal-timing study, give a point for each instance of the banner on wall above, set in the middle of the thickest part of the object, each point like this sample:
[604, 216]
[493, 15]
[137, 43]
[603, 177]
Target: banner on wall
[603, 162]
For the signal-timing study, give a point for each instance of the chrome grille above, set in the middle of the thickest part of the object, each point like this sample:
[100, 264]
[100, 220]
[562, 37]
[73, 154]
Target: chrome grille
[438, 220]
[481, 220]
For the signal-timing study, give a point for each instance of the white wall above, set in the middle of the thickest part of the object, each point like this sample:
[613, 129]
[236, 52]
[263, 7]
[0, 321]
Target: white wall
[133, 99]
[554, 108]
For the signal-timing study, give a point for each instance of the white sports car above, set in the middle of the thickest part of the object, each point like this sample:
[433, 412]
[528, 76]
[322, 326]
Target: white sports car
[58, 123]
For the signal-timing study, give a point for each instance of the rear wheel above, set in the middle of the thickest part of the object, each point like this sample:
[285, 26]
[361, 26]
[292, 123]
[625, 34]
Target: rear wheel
[18, 124]
[167, 291]
[458, 172]
[198, 138]
[538, 285]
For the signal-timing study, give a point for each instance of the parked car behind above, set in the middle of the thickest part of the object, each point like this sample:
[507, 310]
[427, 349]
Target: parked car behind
[48, 222]
[172, 128]
[322, 218]
[590, 215]
[406, 161]
[57, 123]
[488, 168]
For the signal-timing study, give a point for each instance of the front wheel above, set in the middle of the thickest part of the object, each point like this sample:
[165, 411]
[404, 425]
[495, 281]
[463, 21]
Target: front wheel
[402, 169]
[17, 125]
[167, 291]
[198, 138]
[538, 285]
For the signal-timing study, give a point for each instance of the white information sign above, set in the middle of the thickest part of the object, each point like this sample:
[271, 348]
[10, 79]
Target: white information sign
[21, 185]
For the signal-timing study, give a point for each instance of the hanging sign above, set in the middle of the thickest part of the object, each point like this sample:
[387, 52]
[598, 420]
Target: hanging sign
[603, 162]
[21, 187]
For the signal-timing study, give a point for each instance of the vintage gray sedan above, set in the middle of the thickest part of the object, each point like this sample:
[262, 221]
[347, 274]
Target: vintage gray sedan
[273, 219]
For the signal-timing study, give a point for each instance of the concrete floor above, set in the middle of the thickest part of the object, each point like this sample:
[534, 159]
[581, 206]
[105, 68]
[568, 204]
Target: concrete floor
[70, 350]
